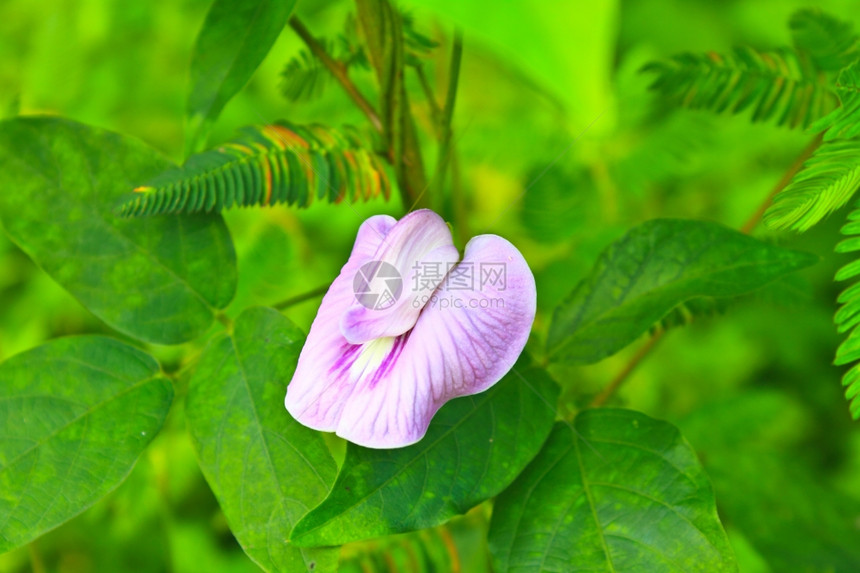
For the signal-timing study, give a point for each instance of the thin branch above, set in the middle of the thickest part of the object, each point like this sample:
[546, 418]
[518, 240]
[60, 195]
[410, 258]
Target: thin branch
[317, 292]
[786, 178]
[435, 110]
[338, 70]
[36, 561]
[445, 130]
[747, 228]
[628, 369]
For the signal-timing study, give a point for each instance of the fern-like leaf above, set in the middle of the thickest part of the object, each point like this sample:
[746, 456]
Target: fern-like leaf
[444, 548]
[826, 182]
[830, 43]
[278, 163]
[304, 77]
[776, 85]
[848, 316]
[844, 121]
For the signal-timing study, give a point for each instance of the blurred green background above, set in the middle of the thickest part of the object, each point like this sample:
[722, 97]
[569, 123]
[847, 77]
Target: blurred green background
[562, 148]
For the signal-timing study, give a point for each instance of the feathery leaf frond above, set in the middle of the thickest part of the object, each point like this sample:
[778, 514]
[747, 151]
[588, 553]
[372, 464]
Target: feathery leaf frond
[826, 182]
[844, 121]
[304, 77]
[830, 43]
[848, 316]
[777, 85]
[280, 163]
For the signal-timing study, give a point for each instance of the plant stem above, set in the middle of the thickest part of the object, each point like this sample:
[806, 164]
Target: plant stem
[628, 369]
[445, 130]
[319, 291]
[35, 558]
[225, 320]
[338, 70]
[435, 110]
[747, 228]
[786, 178]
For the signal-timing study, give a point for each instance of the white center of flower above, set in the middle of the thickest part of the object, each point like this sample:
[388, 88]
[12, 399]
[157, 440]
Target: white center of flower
[371, 355]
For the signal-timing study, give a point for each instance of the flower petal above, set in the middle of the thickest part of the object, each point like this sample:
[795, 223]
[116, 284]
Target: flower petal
[313, 398]
[455, 349]
[420, 241]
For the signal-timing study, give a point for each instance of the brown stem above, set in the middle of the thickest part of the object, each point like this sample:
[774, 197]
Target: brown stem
[35, 558]
[786, 178]
[338, 70]
[628, 369]
[747, 228]
[319, 291]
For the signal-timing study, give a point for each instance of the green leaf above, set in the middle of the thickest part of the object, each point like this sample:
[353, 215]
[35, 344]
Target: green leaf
[280, 163]
[474, 448]
[825, 184]
[776, 85]
[831, 43]
[234, 40]
[847, 318]
[75, 414]
[785, 292]
[844, 121]
[651, 270]
[305, 77]
[266, 469]
[159, 280]
[617, 491]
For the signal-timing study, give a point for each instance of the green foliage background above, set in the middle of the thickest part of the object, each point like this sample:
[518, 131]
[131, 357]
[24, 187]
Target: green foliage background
[562, 148]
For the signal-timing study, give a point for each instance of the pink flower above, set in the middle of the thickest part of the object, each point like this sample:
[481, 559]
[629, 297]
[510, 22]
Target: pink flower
[387, 349]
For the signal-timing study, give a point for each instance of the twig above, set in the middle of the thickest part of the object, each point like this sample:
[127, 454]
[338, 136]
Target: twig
[786, 178]
[445, 130]
[435, 110]
[338, 70]
[747, 228]
[319, 291]
[610, 388]
[35, 558]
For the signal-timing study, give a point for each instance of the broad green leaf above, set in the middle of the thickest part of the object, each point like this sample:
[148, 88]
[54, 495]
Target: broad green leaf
[160, 279]
[75, 414]
[266, 469]
[234, 40]
[474, 448]
[617, 491]
[651, 270]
